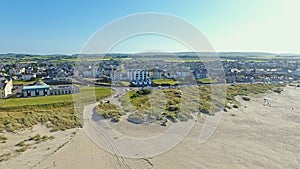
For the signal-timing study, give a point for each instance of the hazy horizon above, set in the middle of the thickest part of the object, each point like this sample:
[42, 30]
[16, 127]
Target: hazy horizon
[51, 27]
[70, 54]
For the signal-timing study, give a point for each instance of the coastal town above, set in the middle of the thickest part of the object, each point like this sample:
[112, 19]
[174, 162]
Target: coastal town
[44, 77]
[150, 84]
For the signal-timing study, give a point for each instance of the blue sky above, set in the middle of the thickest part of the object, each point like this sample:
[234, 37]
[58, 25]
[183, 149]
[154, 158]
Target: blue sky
[63, 26]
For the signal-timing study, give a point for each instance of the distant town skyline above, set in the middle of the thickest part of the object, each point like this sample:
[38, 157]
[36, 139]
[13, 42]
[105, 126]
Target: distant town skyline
[62, 27]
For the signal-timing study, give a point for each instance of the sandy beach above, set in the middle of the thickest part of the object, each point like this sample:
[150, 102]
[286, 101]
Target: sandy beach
[252, 136]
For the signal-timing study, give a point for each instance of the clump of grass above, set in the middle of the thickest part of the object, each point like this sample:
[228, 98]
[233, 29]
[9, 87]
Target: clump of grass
[3, 139]
[246, 98]
[142, 92]
[21, 150]
[38, 138]
[109, 110]
[21, 144]
[235, 106]
[25, 144]
[278, 90]
[5, 157]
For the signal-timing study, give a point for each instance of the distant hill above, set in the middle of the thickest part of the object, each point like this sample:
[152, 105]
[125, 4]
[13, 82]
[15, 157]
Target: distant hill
[161, 55]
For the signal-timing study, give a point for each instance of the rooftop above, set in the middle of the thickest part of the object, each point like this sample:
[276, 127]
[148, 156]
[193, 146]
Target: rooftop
[35, 87]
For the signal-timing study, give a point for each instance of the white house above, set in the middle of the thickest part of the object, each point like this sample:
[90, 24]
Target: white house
[5, 88]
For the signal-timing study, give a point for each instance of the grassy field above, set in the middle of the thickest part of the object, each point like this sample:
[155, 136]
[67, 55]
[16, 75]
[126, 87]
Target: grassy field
[85, 94]
[57, 112]
[21, 82]
[206, 81]
[164, 82]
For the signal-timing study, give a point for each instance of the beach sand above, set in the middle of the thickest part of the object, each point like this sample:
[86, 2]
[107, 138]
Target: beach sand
[252, 136]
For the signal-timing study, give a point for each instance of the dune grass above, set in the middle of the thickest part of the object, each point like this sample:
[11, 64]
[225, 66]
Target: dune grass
[3, 139]
[56, 112]
[177, 106]
[110, 111]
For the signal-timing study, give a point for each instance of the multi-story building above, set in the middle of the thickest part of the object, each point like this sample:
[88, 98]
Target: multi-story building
[139, 76]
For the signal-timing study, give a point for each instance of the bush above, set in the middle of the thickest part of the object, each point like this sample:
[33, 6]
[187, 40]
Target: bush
[21, 144]
[3, 138]
[116, 118]
[278, 90]
[235, 106]
[142, 92]
[246, 98]
[22, 149]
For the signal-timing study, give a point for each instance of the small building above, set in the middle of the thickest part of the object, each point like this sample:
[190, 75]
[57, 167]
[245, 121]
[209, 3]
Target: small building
[36, 90]
[6, 87]
[64, 89]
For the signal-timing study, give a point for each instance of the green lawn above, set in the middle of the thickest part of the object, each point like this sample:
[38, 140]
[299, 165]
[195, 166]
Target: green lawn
[206, 81]
[86, 93]
[23, 82]
[164, 82]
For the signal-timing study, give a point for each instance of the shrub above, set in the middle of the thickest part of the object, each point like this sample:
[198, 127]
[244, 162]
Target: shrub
[246, 98]
[21, 144]
[142, 92]
[3, 138]
[116, 118]
[235, 106]
[278, 90]
[22, 149]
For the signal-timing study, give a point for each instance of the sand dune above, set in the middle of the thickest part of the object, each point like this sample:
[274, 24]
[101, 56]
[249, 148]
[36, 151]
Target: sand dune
[252, 136]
